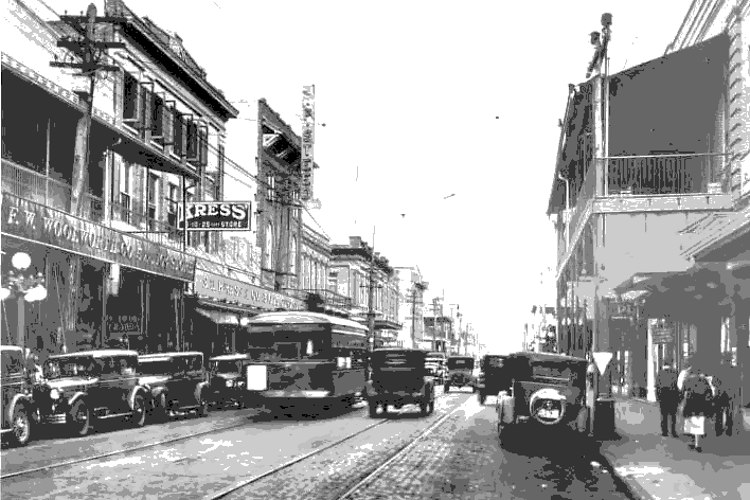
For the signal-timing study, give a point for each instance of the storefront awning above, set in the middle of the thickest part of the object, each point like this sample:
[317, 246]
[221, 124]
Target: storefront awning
[720, 237]
[385, 324]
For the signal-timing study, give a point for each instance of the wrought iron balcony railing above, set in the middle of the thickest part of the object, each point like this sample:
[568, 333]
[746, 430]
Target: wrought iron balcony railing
[34, 186]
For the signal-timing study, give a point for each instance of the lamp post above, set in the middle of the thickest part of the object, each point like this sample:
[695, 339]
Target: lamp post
[24, 287]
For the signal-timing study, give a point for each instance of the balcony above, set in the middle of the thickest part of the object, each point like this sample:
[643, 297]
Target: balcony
[666, 183]
[160, 232]
[33, 186]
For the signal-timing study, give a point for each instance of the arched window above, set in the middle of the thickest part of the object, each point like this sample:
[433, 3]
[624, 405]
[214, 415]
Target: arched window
[268, 255]
[293, 256]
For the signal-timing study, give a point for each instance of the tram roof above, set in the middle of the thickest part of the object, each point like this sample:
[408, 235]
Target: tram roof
[103, 353]
[302, 317]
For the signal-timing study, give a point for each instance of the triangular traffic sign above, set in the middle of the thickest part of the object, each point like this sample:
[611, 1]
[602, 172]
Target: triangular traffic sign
[601, 359]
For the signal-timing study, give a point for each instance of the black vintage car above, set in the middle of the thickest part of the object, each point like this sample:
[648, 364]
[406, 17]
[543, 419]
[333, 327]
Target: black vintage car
[90, 385]
[460, 369]
[547, 389]
[176, 382]
[400, 377]
[17, 403]
[227, 378]
[493, 377]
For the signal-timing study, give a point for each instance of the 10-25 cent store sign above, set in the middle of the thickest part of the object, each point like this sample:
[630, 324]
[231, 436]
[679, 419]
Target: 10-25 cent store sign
[216, 216]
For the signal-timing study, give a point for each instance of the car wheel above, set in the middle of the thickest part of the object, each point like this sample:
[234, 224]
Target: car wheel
[80, 419]
[373, 409]
[139, 411]
[21, 423]
[431, 409]
[482, 398]
[159, 409]
[423, 407]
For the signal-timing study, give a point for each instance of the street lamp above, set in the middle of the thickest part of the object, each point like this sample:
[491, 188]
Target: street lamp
[25, 287]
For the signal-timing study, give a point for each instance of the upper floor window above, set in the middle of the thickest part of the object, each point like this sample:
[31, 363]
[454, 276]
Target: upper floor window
[293, 256]
[268, 250]
[172, 204]
[178, 139]
[126, 187]
[131, 102]
[153, 199]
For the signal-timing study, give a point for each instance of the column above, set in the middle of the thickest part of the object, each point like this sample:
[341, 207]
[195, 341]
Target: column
[742, 319]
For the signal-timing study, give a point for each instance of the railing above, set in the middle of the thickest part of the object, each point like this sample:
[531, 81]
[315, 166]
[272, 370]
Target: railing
[664, 174]
[34, 186]
[586, 193]
[153, 230]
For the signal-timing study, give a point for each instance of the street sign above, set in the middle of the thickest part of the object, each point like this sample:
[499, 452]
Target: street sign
[601, 359]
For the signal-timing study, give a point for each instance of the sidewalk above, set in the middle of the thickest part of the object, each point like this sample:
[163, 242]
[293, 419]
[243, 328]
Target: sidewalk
[660, 468]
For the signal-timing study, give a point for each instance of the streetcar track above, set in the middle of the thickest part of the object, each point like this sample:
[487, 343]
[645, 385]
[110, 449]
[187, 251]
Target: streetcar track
[275, 470]
[124, 451]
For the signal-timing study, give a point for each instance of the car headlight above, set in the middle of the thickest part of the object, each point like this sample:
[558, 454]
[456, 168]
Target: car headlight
[229, 383]
[54, 394]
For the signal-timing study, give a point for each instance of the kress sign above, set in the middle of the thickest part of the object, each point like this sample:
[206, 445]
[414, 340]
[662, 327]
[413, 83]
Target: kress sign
[216, 216]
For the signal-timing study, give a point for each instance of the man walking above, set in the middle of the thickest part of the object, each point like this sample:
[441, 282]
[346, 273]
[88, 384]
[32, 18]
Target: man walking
[669, 399]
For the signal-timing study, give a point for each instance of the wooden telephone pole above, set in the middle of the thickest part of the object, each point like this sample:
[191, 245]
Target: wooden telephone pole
[90, 54]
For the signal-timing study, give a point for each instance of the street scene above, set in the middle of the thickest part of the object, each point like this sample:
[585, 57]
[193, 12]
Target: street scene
[253, 250]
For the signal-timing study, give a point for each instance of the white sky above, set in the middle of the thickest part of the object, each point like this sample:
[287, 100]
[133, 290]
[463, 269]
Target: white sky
[409, 92]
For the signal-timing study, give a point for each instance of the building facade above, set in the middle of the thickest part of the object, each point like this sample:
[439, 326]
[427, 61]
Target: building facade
[642, 173]
[351, 269]
[411, 306]
[102, 236]
[540, 331]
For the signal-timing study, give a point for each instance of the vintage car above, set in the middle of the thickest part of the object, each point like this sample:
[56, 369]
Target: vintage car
[459, 374]
[493, 377]
[86, 386]
[436, 366]
[176, 382]
[400, 377]
[227, 379]
[546, 389]
[17, 404]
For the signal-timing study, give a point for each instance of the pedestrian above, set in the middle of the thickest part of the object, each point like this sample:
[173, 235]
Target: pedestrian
[668, 396]
[697, 402]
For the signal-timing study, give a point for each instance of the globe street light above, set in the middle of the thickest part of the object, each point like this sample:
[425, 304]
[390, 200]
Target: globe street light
[25, 287]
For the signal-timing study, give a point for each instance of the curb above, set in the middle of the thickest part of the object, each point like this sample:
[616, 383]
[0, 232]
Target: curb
[631, 487]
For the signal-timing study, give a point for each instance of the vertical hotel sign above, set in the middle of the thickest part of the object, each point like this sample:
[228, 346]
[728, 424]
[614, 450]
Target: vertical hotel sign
[308, 141]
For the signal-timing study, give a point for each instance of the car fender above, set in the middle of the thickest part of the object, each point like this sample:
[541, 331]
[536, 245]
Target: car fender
[199, 388]
[138, 390]
[75, 397]
[18, 400]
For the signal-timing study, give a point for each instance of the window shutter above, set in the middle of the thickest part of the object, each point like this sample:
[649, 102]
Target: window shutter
[203, 143]
[145, 106]
[179, 134]
[168, 122]
[157, 116]
[193, 150]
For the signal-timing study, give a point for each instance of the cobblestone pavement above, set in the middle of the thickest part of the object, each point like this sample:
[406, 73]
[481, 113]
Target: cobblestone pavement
[462, 459]
[328, 475]
[190, 468]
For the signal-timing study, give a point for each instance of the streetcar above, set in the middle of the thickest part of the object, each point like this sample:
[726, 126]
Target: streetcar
[302, 360]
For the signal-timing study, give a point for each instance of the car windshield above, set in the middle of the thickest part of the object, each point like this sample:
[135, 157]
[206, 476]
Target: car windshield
[461, 364]
[560, 371]
[227, 366]
[156, 367]
[71, 367]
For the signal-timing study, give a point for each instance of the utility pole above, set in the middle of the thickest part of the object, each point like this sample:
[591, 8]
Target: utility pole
[413, 313]
[370, 298]
[90, 53]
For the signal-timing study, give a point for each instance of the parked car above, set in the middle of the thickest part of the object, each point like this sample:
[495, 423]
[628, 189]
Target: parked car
[547, 389]
[493, 377]
[17, 403]
[227, 379]
[459, 374]
[176, 382]
[400, 377]
[83, 387]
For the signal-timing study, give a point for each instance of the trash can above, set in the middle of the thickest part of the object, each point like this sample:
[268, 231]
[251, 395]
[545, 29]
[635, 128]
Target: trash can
[604, 419]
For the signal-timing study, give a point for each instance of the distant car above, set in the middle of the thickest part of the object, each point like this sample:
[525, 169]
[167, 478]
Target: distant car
[176, 381]
[400, 377]
[17, 402]
[86, 386]
[460, 369]
[436, 365]
[493, 377]
[547, 389]
[227, 379]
